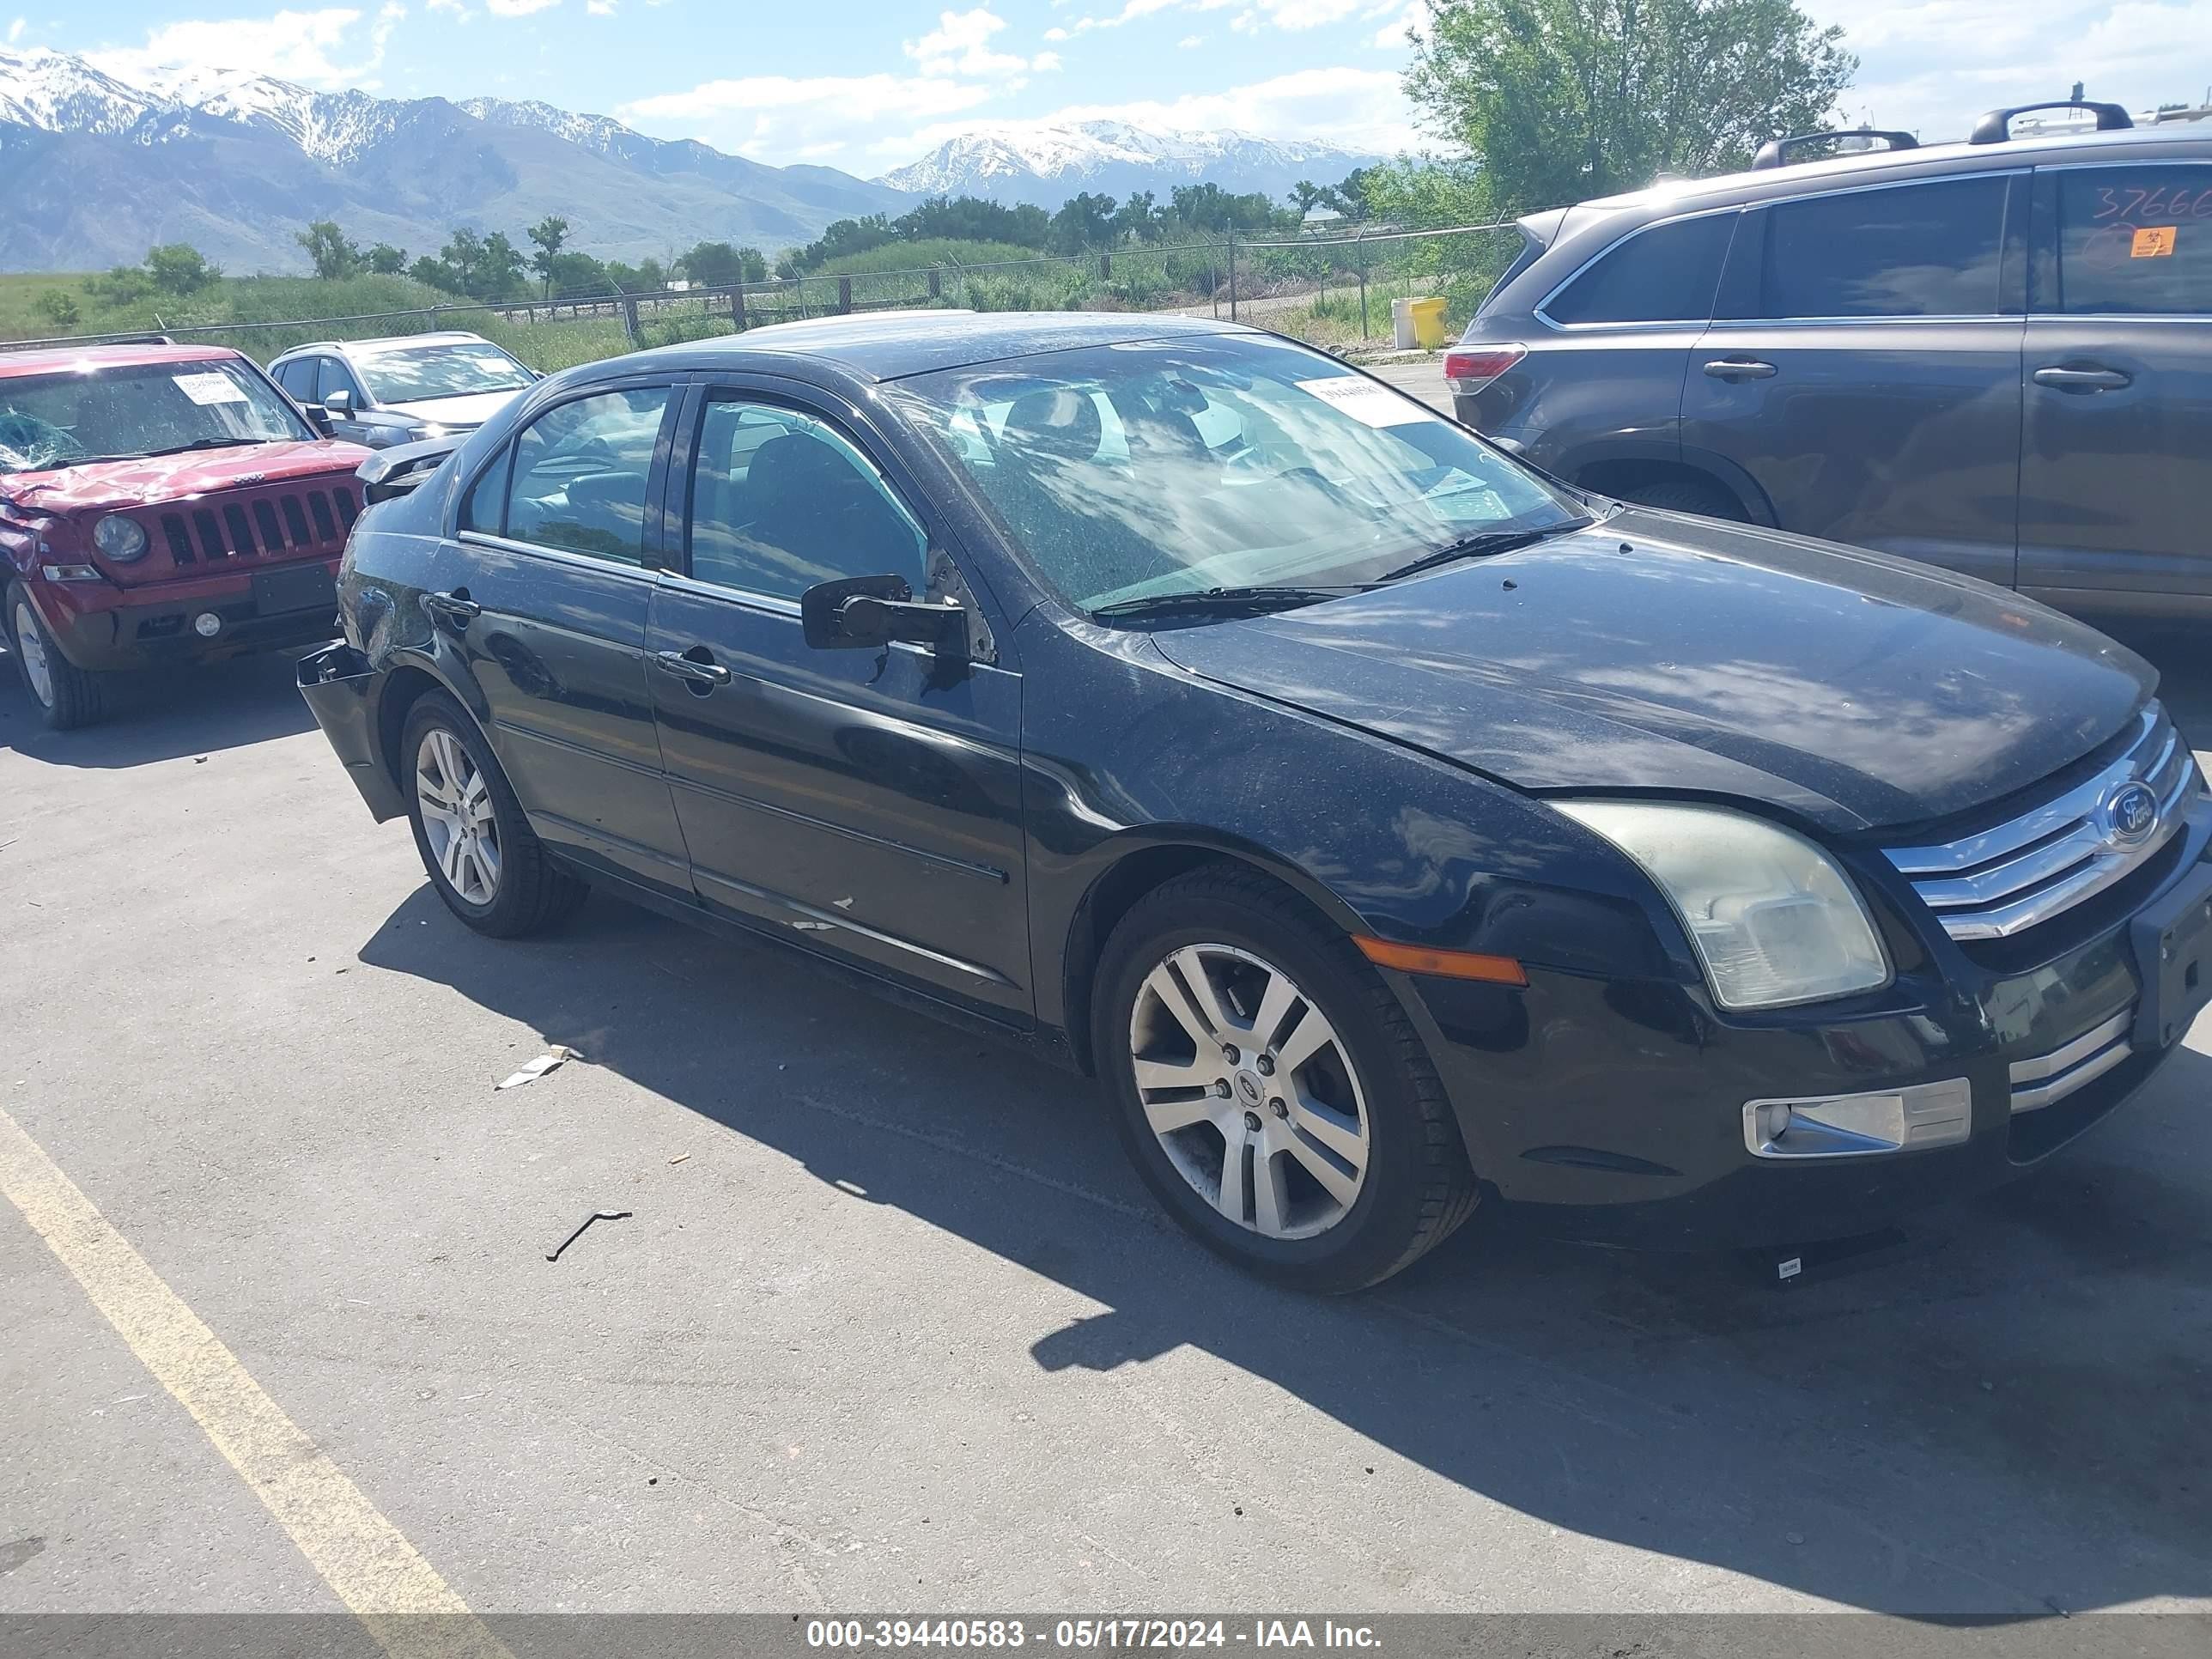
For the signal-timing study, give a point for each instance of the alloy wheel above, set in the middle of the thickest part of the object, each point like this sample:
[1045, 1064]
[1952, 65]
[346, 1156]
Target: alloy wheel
[31, 645]
[1251, 1093]
[457, 816]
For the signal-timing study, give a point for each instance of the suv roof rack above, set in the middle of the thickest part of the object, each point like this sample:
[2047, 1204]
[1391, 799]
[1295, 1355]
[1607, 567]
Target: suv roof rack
[1994, 127]
[1775, 152]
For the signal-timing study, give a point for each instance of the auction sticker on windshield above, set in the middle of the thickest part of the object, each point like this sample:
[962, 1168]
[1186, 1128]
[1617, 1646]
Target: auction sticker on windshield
[1363, 400]
[209, 388]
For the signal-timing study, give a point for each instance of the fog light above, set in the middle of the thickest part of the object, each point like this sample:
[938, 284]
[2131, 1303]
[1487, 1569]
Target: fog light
[1852, 1125]
[207, 624]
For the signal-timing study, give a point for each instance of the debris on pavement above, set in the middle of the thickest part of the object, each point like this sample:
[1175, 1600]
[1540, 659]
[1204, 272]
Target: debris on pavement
[554, 1254]
[679, 1157]
[538, 1067]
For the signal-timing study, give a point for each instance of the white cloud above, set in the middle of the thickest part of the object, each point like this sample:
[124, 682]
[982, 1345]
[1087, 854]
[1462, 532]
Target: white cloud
[15, 30]
[1045, 63]
[1293, 14]
[310, 47]
[1055, 34]
[960, 44]
[786, 116]
[600, 8]
[1932, 65]
[517, 7]
[1359, 109]
[1190, 42]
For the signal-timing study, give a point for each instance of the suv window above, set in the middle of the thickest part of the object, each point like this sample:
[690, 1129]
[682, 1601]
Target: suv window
[1663, 275]
[1928, 250]
[338, 375]
[780, 501]
[2133, 241]
[298, 378]
[581, 472]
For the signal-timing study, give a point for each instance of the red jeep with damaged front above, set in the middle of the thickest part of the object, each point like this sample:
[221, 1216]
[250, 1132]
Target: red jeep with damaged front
[160, 503]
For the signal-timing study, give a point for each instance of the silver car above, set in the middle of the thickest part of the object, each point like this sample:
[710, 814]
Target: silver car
[406, 389]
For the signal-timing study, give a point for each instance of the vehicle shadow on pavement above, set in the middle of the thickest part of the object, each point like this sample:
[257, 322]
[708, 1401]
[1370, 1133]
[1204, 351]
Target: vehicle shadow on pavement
[163, 714]
[1994, 1416]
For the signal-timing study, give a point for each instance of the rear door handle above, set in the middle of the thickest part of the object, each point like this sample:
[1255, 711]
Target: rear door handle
[690, 669]
[2083, 379]
[1740, 368]
[456, 608]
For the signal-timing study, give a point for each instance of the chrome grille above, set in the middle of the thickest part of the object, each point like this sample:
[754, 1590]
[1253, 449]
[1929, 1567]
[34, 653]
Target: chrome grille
[2004, 880]
[2049, 1079]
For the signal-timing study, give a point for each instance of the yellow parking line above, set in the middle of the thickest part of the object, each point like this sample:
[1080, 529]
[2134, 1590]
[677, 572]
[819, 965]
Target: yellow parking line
[408, 1609]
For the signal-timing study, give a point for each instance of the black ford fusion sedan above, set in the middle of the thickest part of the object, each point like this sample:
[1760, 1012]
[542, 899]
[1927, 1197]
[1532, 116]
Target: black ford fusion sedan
[1391, 829]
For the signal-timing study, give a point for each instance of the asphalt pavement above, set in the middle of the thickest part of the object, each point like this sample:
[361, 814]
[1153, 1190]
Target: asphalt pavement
[890, 1324]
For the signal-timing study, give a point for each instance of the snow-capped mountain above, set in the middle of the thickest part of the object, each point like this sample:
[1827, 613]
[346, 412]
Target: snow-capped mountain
[1048, 164]
[97, 167]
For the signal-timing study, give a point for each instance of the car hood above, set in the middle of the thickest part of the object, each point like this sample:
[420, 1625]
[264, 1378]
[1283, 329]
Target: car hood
[472, 410]
[107, 486]
[1657, 653]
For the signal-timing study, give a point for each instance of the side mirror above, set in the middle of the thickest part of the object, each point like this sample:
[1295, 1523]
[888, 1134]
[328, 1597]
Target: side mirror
[337, 404]
[861, 612]
[318, 419]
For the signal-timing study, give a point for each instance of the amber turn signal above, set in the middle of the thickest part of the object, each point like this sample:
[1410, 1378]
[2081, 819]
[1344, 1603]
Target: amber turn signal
[1445, 964]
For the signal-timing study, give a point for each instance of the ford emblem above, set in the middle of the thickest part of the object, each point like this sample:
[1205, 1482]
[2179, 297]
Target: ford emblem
[2130, 814]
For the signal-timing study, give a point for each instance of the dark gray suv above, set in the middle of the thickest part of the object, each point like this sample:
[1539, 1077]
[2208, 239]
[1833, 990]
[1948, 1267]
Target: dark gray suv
[1995, 355]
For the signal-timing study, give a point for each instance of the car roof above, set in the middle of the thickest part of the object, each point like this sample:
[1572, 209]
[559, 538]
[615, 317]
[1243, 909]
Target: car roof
[1926, 159]
[48, 360]
[891, 345]
[386, 342]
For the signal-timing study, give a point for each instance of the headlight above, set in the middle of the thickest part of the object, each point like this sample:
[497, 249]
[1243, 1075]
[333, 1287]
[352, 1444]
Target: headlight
[121, 539]
[1774, 921]
[424, 433]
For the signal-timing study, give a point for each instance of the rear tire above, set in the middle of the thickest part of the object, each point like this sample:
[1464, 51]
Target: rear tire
[66, 696]
[1337, 1151]
[485, 862]
[1680, 494]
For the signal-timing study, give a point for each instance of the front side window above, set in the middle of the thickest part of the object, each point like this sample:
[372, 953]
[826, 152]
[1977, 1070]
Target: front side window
[422, 374]
[125, 413]
[338, 376]
[2132, 242]
[1663, 275]
[1930, 250]
[1167, 467]
[579, 474]
[298, 378]
[781, 501]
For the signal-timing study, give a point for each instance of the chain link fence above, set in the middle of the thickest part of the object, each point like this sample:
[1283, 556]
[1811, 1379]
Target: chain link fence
[1335, 290]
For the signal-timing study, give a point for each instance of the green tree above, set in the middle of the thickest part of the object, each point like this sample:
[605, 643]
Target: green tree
[1084, 221]
[549, 233]
[385, 259]
[1566, 99]
[57, 308]
[717, 265]
[178, 268]
[332, 255]
[1306, 196]
[1138, 218]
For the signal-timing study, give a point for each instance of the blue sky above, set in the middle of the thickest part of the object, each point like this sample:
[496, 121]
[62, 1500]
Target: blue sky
[866, 85]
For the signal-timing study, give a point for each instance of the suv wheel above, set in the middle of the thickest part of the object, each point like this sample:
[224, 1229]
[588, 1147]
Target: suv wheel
[67, 696]
[483, 858]
[1270, 1089]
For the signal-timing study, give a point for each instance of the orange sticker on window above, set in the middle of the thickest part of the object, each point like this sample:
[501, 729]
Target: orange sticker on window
[2153, 242]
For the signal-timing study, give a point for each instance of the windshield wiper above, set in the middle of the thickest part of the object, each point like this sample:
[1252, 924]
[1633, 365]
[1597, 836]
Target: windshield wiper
[1223, 601]
[207, 443]
[1489, 543]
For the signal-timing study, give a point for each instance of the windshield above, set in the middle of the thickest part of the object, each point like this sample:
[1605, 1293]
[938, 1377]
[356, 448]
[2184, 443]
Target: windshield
[422, 374]
[1138, 472]
[99, 413]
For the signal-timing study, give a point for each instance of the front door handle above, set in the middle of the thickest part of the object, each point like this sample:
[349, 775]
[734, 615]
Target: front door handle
[691, 669]
[1740, 368]
[457, 608]
[2082, 380]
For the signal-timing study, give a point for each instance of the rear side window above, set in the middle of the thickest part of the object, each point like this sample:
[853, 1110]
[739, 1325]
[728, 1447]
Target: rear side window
[298, 378]
[580, 474]
[1663, 275]
[2135, 241]
[1930, 250]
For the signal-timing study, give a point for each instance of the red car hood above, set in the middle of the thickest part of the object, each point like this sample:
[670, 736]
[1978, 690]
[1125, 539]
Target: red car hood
[107, 486]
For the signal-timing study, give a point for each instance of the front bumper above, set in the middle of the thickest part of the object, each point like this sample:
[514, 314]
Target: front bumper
[101, 628]
[1617, 1108]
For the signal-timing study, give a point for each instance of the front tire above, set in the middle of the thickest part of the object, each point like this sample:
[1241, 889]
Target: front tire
[484, 861]
[67, 696]
[1270, 1089]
